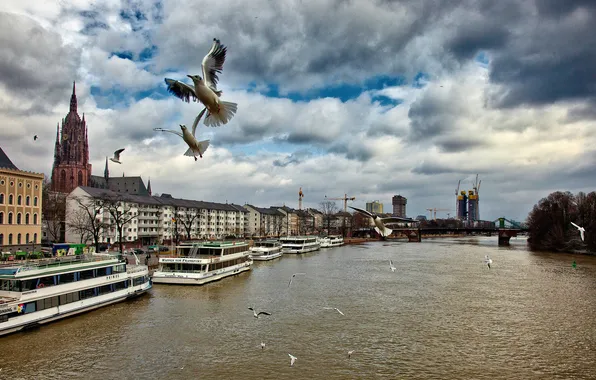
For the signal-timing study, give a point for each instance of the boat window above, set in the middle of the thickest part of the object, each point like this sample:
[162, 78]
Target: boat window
[87, 293]
[86, 274]
[119, 268]
[10, 285]
[66, 278]
[105, 289]
[101, 272]
[29, 307]
[45, 281]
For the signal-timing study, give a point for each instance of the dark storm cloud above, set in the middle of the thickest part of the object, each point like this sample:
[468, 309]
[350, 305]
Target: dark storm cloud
[34, 63]
[244, 133]
[455, 144]
[294, 158]
[355, 151]
[431, 168]
[478, 36]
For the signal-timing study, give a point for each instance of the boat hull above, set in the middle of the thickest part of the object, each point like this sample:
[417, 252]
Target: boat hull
[29, 321]
[180, 278]
[301, 250]
[266, 257]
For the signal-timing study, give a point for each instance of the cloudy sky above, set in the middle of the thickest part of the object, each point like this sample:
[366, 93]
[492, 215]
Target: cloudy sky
[368, 98]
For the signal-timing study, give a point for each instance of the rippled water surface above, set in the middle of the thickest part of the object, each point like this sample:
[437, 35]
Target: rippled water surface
[441, 315]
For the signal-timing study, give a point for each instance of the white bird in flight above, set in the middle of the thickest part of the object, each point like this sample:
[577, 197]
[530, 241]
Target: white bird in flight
[581, 230]
[488, 261]
[195, 147]
[255, 314]
[116, 157]
[380, 222]
[391, 266]
[350, 353]
[292, 359]
[334, 308]
[205, 88]
[262, 345]
[292, 277]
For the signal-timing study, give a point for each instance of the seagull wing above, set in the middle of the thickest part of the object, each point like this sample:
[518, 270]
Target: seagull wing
[263, 312]
[250, 308]
[362, 211]
[339, 311]
[213, 64]
[117, 153]
[575, 225]
[181, 90]
[395, 219]
[168, 130]
[197, 119]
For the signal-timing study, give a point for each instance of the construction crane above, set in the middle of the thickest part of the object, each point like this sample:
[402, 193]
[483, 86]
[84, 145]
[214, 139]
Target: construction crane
[431, 210]
[345, 199]
[456, 201]
[300, 196]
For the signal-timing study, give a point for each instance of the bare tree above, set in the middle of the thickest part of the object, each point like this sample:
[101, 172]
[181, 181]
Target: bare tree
[53, 212]
[329, 209]
[187, 219]
[119, 210]
[91, 210]
[80, 224]
[278, 224]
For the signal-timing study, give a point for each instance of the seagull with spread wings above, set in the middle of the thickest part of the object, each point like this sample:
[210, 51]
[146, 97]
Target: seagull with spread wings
[580, 229]
[195, 147]
[205, 88]
[380, 222]
[116, 157]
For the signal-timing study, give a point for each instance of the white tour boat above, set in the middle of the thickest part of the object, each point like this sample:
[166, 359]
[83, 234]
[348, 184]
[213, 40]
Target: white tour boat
[266, 250]
[36, 292]
[331, 241]
[299, 244]
[199, 263]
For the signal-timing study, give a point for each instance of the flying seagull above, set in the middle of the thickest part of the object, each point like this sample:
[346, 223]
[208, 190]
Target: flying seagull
[391, 266]
[380, 222]
[488, 261]
[194, 146]
[255, 314]
[334, 308]
[205, 88]
[116, 157]
[292, 359]
[34, 137]
[262, 345]
[350, 353]
[292, 277]
[581, 230]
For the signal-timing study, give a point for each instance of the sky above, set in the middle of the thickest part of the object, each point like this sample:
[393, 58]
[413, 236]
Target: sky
[365, 98]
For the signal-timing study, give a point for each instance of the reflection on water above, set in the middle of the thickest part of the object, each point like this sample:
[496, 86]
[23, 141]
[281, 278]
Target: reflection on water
[442, 314]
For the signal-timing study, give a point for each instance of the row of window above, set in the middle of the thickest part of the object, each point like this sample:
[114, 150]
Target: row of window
[2, 182]
[19, 237]
[65, 299]
[19, 218]
[19, 200]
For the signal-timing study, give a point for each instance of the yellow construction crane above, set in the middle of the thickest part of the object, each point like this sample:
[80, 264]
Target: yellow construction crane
[345, 199]
[431, 210]
[300, 196]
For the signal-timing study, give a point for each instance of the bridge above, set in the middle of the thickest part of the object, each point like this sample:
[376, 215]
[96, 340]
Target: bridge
[505, 230]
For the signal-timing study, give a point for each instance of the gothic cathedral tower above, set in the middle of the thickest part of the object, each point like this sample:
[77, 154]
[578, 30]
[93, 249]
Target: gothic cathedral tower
[71, 154]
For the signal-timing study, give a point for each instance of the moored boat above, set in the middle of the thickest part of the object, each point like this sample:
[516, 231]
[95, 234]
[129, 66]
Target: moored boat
[37, 292]
[299, 244]
[199, 263]
[266, 250]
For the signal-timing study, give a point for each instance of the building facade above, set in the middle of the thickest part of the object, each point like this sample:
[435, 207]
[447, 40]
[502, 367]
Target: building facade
[265, 222]
[20, 207]
[399, 205]
[375, 207]
[153, 220]
[71, 166]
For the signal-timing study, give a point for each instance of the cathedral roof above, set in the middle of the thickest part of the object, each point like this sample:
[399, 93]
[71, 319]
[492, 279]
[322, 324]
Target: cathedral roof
[5, 162]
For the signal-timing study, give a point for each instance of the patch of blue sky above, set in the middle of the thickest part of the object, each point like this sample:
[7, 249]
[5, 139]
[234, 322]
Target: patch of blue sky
[116, 97]
[420, 80]
[343, 91]
[126, 54]
[482, 58]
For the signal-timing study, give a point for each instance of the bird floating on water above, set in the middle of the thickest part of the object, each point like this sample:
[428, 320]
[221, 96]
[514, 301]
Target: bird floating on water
[255, 314]
[380, 222]
[292, 277]
[391, 266]
[581, 230]
[116, 157]
[350, 353]
[334, 308]
[262, 345]
[488, 261]
[205, 88]
[195, 147]
[292, 359]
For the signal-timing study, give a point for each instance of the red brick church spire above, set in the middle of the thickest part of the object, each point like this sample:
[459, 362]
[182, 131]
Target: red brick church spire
[71, 153]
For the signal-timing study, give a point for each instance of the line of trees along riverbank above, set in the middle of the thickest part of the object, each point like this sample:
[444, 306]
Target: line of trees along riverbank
[550, 226]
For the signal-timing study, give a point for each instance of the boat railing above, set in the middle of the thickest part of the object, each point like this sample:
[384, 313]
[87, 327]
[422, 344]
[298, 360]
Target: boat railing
[27, 265]
[135, 268]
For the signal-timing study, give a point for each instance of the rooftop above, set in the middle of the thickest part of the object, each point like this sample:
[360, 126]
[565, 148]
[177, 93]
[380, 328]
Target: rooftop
[5, 162]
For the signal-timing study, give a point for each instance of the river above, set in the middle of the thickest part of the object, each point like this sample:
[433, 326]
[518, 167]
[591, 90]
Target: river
[443, 314]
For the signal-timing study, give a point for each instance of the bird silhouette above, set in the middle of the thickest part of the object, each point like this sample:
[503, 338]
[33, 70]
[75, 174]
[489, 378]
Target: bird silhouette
[34, 137]
[255, 314]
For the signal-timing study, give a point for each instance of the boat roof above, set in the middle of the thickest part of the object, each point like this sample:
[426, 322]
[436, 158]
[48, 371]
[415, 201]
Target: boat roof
[28, 268]
[212, 244]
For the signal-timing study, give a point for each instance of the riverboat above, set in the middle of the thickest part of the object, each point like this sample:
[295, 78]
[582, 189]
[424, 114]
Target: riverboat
[266, 250]
[299, 244]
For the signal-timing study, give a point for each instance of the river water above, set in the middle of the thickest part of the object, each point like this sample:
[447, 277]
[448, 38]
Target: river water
[441, 315]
